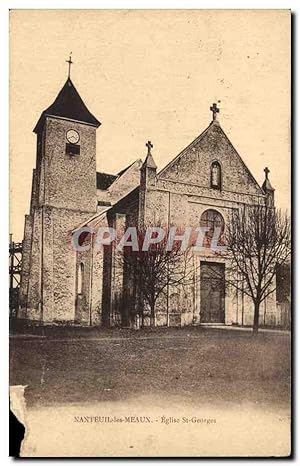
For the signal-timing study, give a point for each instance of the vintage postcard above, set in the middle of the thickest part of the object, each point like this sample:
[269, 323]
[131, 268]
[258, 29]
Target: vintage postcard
[150, 251]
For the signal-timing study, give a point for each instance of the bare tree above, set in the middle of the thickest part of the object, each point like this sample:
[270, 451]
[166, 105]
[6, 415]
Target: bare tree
[258, 239]
[153, 271]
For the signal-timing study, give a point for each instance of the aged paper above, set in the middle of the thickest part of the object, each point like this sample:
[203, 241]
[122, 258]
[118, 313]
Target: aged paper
[132, 131]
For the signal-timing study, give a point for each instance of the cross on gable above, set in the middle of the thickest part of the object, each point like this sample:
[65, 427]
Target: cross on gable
[149, 145]
[70, 63]
[267, 171]
[214, 109]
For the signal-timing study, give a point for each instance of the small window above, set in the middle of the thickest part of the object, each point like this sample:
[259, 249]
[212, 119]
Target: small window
[80, 272]
[72, 149]
[215, 175]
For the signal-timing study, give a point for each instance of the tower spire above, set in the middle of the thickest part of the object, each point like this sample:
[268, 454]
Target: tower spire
[266, 184]
[70, 63]
[149, 161]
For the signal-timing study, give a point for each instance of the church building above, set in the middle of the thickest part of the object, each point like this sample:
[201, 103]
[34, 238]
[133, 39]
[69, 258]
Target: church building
[199, 187]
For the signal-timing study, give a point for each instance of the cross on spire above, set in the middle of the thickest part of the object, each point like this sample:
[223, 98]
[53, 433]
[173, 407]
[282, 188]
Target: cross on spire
[149, 145]
[267, 171]
[70, 63]
[214, 109]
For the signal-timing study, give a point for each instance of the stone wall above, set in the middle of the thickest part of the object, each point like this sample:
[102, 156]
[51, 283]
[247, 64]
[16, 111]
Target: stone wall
[70, 180]
[53, 265]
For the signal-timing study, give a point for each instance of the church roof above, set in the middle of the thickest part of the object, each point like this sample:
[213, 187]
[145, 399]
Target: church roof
[93, 221]
[125, 169]
[68, 104]
[104, 180]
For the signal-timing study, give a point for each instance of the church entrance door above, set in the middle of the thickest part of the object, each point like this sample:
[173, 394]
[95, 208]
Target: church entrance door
[212, 292]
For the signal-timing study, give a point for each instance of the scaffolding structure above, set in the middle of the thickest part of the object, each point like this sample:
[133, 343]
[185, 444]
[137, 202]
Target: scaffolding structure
[15, 265]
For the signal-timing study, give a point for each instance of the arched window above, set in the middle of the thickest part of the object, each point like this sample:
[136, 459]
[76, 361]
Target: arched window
[215, 225]
[215, 176]
[80, 272]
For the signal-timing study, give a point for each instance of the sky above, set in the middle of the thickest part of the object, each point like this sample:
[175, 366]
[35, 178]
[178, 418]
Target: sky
[153, 75]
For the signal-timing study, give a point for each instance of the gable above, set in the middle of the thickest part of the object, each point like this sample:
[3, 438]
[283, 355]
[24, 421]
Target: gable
[126, 181]
[112, 188]
[193, 164]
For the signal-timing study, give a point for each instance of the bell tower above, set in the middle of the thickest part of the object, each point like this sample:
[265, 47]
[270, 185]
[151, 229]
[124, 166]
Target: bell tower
[64, 194]
[66, 153]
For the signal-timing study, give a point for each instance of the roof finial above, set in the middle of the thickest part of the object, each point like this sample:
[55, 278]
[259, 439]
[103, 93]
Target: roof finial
[149, 161]
[70, 63]
[214, 109]
[150, 146]
[267, 187]
[267, 171]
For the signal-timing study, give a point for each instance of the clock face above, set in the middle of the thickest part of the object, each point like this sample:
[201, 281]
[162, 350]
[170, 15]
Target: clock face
[72, 136]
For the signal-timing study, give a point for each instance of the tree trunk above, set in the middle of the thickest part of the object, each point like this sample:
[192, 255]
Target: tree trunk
[142, 318]
[256, 318]
[152, 316]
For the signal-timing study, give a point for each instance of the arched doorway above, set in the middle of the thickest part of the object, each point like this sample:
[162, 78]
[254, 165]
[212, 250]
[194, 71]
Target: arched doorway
[212, 274]
[212, 286]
